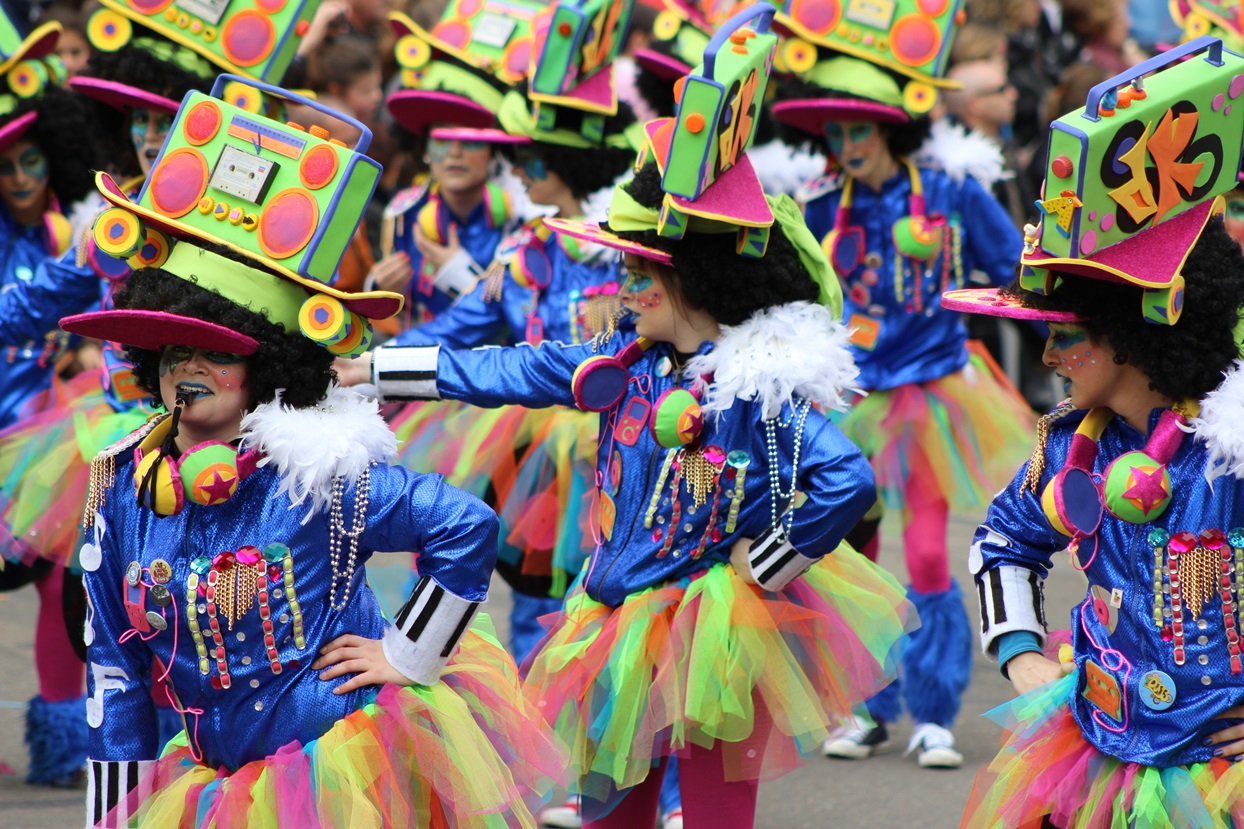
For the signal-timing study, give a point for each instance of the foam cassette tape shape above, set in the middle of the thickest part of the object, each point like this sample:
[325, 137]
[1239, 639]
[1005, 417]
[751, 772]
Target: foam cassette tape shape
[1148, 145]
[256, 38]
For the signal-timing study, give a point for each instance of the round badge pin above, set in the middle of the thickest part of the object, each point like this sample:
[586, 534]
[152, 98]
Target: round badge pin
[156, 620]
[1157, 690]
[133, 573]
[161, 571]
[160, 595]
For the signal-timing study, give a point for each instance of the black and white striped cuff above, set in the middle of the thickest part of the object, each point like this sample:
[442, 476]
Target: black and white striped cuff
[1012, 598]
[426, 631]
[457, 276]
[774, 562]
[109, 803]
[406, 373]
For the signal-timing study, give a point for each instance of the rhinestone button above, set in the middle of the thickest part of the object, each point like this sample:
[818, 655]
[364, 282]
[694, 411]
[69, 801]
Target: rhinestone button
[259, 705]
[1203, 659]
[254, 683]
[1202, 640]
[241, 636]
[1205, 680]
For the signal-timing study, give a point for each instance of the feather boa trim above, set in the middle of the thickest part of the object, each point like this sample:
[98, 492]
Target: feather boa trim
[959, 152]
[1220, 425]
[338, 437]
[787, 351]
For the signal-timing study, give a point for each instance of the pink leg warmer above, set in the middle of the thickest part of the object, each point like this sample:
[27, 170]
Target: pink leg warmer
[924, 536]
[62, 676]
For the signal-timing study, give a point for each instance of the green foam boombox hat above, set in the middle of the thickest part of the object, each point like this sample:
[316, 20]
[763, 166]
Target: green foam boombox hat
[456, 74]
[288, 197]
[1133, 177]
[1218, 18]
[680, 33]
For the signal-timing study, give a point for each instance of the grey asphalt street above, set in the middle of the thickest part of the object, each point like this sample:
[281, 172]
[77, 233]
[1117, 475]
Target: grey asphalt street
[885, 792]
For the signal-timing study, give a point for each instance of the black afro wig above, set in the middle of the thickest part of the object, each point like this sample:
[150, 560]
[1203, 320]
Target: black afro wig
[139, 68]
[901, 139]
[62, 131]
[709, 275]
[1183, 361]
[286, 361]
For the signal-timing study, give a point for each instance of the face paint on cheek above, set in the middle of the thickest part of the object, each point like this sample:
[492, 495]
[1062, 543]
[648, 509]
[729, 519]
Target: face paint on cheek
[652, 300]
[535, 169]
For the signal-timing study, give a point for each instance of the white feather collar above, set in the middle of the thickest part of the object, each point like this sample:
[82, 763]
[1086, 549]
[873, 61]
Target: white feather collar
[959, 152]
[338, 437]
[1220, 425]
[779, 353]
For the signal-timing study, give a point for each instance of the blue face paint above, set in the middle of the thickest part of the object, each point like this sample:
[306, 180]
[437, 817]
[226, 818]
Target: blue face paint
[438, 149]
[637, 282]
[532, 165]
[174, 355]
[837, 135]
[32, 162]
[1064, 338]
[1235, 209]
[141, 121]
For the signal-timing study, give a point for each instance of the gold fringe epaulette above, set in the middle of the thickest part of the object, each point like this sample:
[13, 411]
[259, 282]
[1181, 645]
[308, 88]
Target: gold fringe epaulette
[104, 469]
[1036, 463]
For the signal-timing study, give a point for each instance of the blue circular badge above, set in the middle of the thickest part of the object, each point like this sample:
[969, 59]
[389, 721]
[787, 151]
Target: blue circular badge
[1157, 690]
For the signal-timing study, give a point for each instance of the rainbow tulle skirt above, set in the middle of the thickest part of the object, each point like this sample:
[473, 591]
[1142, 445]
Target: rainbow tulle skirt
[1047, 774]
[467, 753]
[711, 658]
[964, 435]
[535, 467]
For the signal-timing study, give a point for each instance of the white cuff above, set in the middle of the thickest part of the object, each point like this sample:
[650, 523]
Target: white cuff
[457, 276]
[406, 372]
[774, 562]
[426, 631]
[1012, 598]
[109, 782]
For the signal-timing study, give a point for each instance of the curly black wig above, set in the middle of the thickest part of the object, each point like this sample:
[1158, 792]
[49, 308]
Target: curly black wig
[584, 170]
[62, 131]
[136, 67]
[708, 274]
[286, 361]
[901, 139]
[1183, 361]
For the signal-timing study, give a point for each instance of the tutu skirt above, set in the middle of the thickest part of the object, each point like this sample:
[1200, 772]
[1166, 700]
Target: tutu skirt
[45, 468]
[712, 658]
[964, 434]
[535, 467]
[465, 753]
[1046, 769]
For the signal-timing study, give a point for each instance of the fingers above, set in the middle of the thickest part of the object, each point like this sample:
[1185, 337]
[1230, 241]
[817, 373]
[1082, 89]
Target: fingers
[348, 666]
[452, 242]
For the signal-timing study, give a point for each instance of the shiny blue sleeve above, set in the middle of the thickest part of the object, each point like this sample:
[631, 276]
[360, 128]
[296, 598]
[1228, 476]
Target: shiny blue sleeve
[29, 309]
[1011, 554]
[840, 486]
[120, 711]
[454, 532]
[469, 322]
[991, 241]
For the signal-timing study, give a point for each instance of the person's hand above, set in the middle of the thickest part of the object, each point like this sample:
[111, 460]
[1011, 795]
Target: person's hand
[1030, 670]
[434, 254]
[360, 656]
[352, 372]
[326, 18]
[1229, 742]
[392, 273]
[738, 558]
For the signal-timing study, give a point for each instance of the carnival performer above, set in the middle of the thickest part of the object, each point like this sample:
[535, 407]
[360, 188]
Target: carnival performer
[271, 488]
[711, 621]
[940, 424]
[442, 233]
[535, 465]
[1137, 474]
[45, 162]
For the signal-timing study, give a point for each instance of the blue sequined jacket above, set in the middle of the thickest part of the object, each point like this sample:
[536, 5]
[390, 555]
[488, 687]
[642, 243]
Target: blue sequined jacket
[570, 309]
[479, 234]
[1150, 680]
[788, 477]
[161, 586]
[909, 338]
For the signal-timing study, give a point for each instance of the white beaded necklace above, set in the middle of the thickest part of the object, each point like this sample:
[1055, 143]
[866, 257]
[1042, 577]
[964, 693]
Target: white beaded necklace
[337, 529]
[798, 417]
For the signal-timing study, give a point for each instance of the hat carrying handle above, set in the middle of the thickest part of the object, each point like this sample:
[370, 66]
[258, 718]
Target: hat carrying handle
[762, 10]
[1093, 102]
[360, 146]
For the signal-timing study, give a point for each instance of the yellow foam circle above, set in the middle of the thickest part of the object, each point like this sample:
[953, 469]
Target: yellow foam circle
[667, 25]
[919, 97]
[412, 52]
[243, 96]
[798, 56]
[118, 233]
[324, 319]
[108, 31]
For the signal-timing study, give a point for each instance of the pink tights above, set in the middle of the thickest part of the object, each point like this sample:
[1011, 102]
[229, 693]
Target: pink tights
[924, 536]
[61, 673]
[708, 801]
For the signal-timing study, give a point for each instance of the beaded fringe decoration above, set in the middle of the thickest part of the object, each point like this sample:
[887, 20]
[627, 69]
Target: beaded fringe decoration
[494, 281]
[700, 474]
[602, 314]
[103, 476]
[1036, 463]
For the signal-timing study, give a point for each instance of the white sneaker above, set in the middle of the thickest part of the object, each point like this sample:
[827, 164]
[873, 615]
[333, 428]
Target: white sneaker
[937, 747]
[672, 819]
[857, 741]
[565, 816]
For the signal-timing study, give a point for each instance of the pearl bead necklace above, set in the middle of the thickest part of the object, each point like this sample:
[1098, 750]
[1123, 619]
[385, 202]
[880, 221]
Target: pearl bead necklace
[798, 417]
[337, 530]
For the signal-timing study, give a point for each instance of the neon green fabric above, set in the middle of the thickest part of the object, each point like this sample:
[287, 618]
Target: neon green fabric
[277, 299]
[516, 119]
[859, 78]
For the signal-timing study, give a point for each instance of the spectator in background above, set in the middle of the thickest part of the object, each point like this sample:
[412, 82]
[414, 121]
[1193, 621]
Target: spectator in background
[348, 69]
[1104, 30]
[978, 41]
[1152, 24]
[72, 48]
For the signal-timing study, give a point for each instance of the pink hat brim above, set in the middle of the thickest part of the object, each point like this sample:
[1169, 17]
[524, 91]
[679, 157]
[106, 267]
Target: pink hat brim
[989, 302]
[811, 115]
[152, 330]
[16, 128]
[121, 96]
[663, 66]
[419, 109]
[491, 136]
[592, 232]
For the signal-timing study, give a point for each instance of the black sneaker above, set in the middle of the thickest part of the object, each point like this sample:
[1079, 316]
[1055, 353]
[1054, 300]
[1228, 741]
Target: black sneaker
[857, 741]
